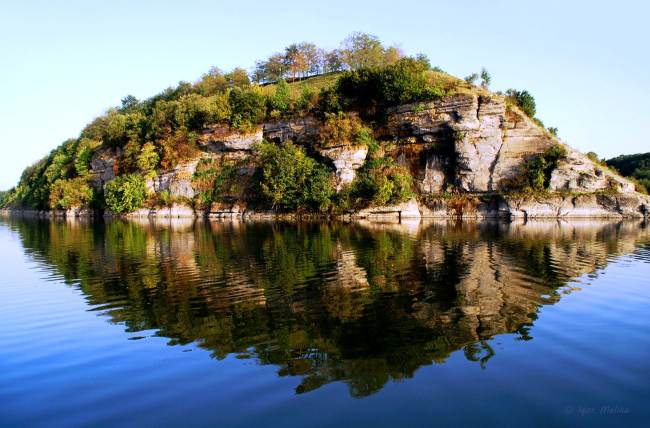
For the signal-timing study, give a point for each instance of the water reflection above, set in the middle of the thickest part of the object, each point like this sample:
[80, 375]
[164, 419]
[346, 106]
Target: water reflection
[363, 303]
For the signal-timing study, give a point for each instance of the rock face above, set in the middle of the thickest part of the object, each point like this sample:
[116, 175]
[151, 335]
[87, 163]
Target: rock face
[178, 182]
[409, 209]
[586, 205]
[578, 172]
[103, 166]
[219, 138]
[346, 160]
[464, 143]
[300, 131]
[477, 136]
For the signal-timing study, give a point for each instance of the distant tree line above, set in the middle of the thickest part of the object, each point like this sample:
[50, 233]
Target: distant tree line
[300, 60]
[635, 166]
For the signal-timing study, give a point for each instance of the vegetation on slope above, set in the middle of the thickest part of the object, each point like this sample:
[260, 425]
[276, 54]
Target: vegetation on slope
[635, 166]
[348, 88]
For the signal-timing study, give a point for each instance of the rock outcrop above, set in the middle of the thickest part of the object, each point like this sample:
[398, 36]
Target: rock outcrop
[346, 160]
[476, 136]
[459, 150]
[220, 138]
[300, 131]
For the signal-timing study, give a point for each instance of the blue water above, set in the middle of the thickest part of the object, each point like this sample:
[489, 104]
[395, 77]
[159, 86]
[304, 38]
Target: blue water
[263, 324]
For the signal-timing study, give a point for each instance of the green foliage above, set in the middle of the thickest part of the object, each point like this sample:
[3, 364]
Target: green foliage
[380, 181]
[209, 179]
[5, 197]
[248, 107]
[307, 99]
[84, 155]
[636, 167]
[164, 198]
[72, 193]
[524, 100]
[148, 159]
[593, 156]
[372, 88]
[361, 50]
[472, 78]
[125, 193]
[486, 79]
[280, 102]
[290, 180]
[553, 131]
[340, 129]
[535, 175]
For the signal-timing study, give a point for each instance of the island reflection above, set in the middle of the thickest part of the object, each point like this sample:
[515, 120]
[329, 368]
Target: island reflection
[362, 303]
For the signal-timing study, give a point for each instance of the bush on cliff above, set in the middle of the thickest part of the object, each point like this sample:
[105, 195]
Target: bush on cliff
[535, 174]
[381, 181]
[210, 178]
[340, 129]
[72, 193]
[248, 107]
[4, 197]
[125, 193]
[371, 89]
[524, 100]
[290, 180]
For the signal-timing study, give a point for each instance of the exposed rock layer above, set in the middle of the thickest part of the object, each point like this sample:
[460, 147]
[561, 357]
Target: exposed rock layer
[468, 143]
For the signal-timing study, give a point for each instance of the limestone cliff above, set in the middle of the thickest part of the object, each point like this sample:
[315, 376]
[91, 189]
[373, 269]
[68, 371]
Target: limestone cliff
[470, 143]
[460, 151]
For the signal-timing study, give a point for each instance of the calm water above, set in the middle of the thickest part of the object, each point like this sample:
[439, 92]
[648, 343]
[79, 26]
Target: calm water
[381, 325]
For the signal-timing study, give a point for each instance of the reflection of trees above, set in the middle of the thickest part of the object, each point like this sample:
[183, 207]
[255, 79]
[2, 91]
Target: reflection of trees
[362, 303]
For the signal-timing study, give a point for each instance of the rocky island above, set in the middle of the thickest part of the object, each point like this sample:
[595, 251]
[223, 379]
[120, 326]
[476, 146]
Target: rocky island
[359, 132]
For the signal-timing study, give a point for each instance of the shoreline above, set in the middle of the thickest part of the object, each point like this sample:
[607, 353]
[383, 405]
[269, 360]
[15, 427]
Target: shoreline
[469, 207]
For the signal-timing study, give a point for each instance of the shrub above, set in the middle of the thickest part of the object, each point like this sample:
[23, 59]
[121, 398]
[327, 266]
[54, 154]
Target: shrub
[380, 181]
[73, 193]
[281, 99]
[118, 129]
[524, 100]
[535, 174]
[340, 129]
[84, 155]
[125, 193]
[209, 179]
[247, 107]
[400, 83]
[307, 99]
[486, 78]
[289, 179]
[148, 160]
[635, 167]
[472, 78]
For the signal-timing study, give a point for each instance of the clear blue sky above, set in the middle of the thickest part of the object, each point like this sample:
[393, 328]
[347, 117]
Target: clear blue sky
[64, 62]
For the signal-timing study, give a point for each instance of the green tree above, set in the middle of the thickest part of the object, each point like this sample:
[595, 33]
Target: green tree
[247, 107]
[380, 181]
[281, 99]
[472, 78]
[125, 193]
[289, 179]
[148, 159]
[361, 50]
[72, 193]
[524, 100]
[238, 78]
[373, 88]
[486, 79]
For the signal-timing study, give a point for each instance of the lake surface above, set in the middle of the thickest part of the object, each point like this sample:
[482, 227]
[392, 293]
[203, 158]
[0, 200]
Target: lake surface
[187, 323]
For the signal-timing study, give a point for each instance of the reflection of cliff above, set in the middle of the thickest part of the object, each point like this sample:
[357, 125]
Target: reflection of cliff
[364, 303]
